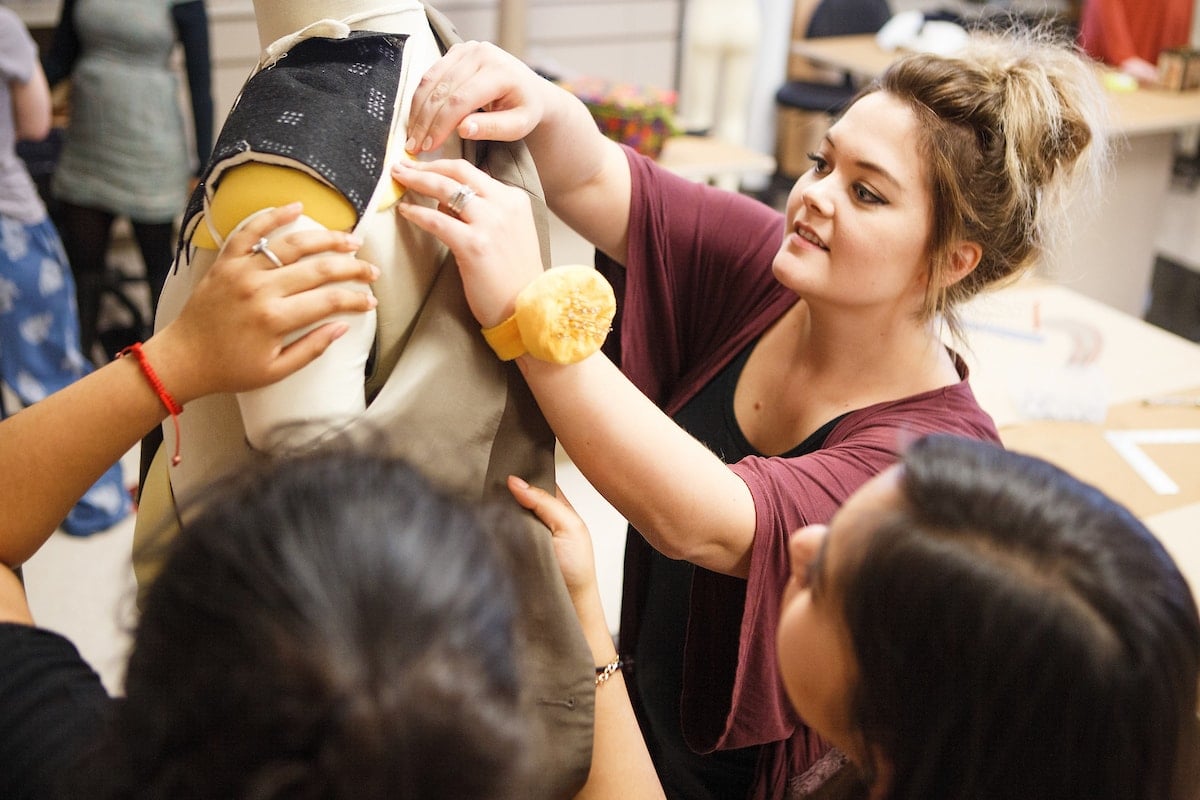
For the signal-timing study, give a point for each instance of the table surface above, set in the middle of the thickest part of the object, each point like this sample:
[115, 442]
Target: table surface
[1134, 112]
[705, 157]
[1037, 341]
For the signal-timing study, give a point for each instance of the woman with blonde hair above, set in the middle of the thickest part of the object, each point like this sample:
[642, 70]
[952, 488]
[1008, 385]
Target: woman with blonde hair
[763, 366]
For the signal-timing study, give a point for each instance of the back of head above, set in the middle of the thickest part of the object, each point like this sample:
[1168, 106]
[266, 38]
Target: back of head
[1011, 128]
[333, 627]
[1020, 635]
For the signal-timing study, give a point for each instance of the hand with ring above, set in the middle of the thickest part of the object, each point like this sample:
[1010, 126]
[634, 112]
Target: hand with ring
[263, 246]
[469, 77]
[458, 201]
[229, 336]
[488, 226]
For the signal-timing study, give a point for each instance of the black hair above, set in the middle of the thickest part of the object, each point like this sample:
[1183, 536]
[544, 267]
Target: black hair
[1019, 634]
[332, 626]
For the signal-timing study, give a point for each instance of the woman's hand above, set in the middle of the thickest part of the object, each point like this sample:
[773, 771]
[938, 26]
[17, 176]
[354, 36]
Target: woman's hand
[478, 89]
[576, 561]
[230, 336]
[487, 94]
[572, 540]
[493, 236]
[621, 765]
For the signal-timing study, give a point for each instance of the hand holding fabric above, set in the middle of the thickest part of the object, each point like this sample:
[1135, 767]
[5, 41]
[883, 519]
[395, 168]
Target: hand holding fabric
[492, 236]
[480, 90]
[230, 335]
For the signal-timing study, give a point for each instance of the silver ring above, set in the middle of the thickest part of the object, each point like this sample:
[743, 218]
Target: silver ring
[459, 201]
[264, 247]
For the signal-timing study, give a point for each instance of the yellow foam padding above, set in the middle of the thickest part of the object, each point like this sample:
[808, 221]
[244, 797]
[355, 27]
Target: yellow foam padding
[390, 198]
[253, 186]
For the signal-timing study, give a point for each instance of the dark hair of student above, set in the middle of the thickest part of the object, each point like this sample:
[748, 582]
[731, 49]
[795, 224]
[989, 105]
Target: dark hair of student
[331, 627]
[1019, 634]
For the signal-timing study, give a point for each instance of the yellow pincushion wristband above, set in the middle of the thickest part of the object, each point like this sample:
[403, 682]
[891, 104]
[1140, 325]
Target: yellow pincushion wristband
[562, 316]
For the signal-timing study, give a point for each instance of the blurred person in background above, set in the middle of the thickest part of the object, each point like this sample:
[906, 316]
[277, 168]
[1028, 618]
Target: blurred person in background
[39, 329]
[1130, 35]
[125, 150]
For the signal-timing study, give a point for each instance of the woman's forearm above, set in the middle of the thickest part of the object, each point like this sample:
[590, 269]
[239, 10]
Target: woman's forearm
[60, 446]
[31, 106]
[229, 337]
[668, 485]
[584, 174]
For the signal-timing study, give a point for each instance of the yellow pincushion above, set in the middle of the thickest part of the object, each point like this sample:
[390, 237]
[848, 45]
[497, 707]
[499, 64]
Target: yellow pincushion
[562, 316]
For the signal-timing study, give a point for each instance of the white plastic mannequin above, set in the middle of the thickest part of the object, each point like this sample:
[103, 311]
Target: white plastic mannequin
[720, 39]
[325, 395]
[434, 392]
[276, 19]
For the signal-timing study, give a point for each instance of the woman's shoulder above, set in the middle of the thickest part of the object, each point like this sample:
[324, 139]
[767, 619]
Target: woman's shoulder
[24, 646]
[52, 706]
[950, 409]
[17, 49]
[650, 177]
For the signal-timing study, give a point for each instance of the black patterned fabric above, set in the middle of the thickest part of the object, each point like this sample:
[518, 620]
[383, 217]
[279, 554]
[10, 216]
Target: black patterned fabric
[295, 112]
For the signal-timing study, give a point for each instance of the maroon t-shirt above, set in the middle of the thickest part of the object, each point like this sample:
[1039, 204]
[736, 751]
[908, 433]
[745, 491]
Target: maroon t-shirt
[696, 289]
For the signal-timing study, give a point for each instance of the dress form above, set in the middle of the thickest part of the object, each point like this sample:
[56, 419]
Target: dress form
[278, 18]
[318, 400]
[431, 392]
[720, 40]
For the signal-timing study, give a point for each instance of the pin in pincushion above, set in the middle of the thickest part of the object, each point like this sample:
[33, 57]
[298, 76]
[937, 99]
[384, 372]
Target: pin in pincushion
[562, 316]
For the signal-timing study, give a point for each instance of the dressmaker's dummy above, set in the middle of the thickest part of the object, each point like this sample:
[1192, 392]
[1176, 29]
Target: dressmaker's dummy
[416, 379]
[720, 40]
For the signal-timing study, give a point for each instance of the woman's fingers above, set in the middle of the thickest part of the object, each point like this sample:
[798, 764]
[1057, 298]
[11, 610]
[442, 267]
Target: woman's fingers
[551, 509]
[259, 242]
[433, 115]
[243, 310]
[261, 226]
[319, 290]
[469, 77]
[324, 269]
[441, 179]
[306, 349]
[493, 235]
[295, 245]
[572, 541]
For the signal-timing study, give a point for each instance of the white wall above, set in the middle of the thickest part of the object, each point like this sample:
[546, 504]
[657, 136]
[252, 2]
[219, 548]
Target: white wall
[634, 41]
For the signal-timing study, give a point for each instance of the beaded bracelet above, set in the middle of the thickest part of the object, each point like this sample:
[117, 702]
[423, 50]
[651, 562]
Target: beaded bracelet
[606, 672]
[160, 390]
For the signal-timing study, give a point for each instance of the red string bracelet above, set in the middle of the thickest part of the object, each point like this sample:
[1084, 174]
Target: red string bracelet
[159, 389]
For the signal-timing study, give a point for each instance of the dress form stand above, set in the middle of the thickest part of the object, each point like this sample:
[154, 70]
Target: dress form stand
[419, 382]
[720, 39]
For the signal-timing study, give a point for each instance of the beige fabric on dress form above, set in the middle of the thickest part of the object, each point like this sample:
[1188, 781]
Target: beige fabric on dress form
[437, 396]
